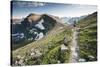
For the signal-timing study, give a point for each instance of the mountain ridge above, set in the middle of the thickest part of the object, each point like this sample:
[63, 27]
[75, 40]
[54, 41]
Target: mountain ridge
[35, 27]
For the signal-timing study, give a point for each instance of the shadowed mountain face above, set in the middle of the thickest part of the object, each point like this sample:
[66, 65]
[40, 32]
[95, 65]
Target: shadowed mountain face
[33, 27]
[42, 23]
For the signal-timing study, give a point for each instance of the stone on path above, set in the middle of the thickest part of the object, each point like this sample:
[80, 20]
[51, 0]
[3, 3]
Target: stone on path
[64, 48]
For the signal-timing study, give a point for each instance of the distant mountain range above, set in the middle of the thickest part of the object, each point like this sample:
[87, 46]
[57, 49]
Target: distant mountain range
[71, 20]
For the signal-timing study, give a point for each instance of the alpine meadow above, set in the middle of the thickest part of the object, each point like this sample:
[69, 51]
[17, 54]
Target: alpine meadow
[52, 33]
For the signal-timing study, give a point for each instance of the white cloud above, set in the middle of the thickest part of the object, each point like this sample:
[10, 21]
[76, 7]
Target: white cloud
[28, 4]
[38, 4]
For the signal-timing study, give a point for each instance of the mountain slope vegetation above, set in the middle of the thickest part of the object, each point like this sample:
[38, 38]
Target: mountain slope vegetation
[88, 37]
[49, 46]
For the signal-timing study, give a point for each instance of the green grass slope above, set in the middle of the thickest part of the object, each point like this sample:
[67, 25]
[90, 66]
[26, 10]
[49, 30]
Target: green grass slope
[49, 46]
[88, 37]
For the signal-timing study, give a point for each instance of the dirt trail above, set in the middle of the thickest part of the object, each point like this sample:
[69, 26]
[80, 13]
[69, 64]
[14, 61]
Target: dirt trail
[74, 57]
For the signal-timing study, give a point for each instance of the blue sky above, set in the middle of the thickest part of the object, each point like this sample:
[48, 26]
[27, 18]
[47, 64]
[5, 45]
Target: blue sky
[21, 9]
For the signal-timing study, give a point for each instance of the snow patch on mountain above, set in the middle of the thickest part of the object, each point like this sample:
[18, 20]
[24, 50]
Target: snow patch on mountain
[40, 25]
